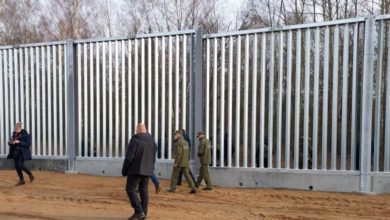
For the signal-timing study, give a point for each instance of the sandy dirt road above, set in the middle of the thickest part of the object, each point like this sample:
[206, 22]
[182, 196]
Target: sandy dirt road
[64, 196]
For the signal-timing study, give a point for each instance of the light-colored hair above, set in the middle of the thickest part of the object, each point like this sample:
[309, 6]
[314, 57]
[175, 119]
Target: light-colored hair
[18, 125]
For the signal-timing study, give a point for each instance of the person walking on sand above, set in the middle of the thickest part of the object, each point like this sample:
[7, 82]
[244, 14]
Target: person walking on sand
[138, 166]
[20, 152]
[181, 155]
[204, 153]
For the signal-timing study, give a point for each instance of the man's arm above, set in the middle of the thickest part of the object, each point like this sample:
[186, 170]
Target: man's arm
[178, 156]
[131, 148]
[201, 149]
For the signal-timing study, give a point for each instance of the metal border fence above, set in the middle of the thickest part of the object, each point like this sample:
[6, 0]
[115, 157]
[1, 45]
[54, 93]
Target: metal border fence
[301, 97]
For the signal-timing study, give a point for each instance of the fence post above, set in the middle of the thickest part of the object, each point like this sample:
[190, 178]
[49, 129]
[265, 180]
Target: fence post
[71, 106]
[198, 106]
[367, 90]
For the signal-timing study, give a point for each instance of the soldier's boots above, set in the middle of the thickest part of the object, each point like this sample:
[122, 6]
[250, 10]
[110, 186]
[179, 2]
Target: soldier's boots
[193, 191]
[171, 190]
[21, 182]
[208, 188]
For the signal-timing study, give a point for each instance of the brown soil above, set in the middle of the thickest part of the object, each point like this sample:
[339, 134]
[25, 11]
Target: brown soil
[64, 196]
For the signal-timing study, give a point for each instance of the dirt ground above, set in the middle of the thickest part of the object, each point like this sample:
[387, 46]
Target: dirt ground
[64, 196]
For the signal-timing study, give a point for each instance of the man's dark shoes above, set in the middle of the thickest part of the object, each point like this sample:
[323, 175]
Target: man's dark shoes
[137, 216]
[193, 191]
[32, 178]
[21, 182]
[207, 188]
[171, 190]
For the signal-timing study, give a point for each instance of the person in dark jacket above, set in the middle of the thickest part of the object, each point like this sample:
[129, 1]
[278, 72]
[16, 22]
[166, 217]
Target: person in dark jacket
[20, 152]
[138, 166]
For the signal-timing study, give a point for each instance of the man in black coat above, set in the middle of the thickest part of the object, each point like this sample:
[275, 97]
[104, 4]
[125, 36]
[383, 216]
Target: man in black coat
[20, 152]
[138, 167]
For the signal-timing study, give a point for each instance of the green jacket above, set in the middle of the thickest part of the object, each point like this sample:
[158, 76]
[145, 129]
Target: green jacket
[204, 151]
[181, 153]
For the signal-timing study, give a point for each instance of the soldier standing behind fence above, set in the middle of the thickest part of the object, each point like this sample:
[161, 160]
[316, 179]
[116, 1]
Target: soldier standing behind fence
[204, 153]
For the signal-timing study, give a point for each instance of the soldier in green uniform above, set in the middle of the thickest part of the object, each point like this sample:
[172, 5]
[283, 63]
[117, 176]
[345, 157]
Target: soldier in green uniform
[181, 155]
[204, 153]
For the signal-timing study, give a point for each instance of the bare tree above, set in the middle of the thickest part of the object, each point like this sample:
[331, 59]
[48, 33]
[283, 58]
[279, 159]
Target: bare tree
[19, 22]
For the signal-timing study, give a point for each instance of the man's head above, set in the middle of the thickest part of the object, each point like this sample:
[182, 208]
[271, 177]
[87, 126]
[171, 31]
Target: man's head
[18, 127]
[183, 132]
[201, 135]
[141, 128]
[178, 134]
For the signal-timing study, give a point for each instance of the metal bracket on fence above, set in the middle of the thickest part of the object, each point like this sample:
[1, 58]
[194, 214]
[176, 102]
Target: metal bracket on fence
[71, 106]
[367, 90]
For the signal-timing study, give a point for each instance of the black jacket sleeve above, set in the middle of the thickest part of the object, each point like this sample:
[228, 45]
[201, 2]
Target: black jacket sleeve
[131, 149]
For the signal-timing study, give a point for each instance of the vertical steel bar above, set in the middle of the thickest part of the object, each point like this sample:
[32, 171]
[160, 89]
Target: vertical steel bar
[366, 128]
[288, 100]
[344, 123]
[170, 108]
[207, 123]
[315, 97]
[117, 115]
[49, 104]
[123, 102]
[215, 106]
[104, 104]
[280, 102]
[61, 99]
[325, 100]
[11, 79]
[55, 104]
[129, 90]
[7, 101]
[378, 97]
[16, 82]
[32, 81]
[98, 97]
[85, 101]
[387, 122]
[156, 90]
[246, 102]
[27, 89]
[38, 102]
[21, 87]
[262, 98]
[334, 97]
[143, 80]
[80, 101]
[92, 108]
[307, 101]
[230, 103]
[354, 96]
[271, 101]
[110, 117]
[297, 99]
[222, 112]
[136, 113]
[184, 84]
[44, 94]
[177, 80]
[238, 102]
[149, 122]
[254, 100]
[163, 99]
